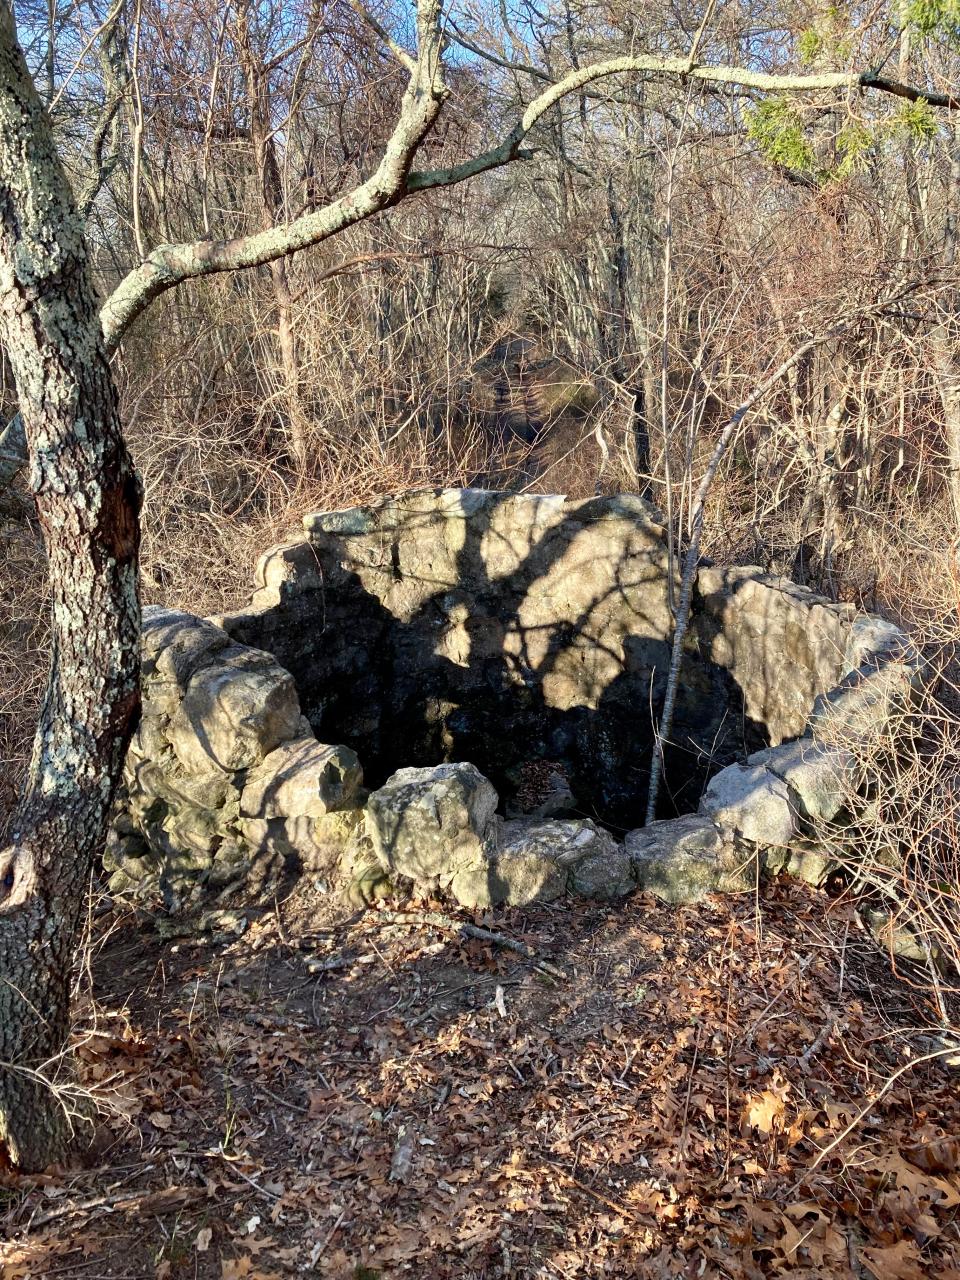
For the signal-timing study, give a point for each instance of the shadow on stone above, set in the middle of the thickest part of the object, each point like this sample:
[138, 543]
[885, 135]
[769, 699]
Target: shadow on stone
[465, 647]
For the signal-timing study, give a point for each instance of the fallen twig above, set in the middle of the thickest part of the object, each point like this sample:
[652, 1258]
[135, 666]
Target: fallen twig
[316, 965]
[882, 1092]
[682, 1142]
[143, 1201]
[815, 1046]
[290, 1106]
[269, 1196]
[617, 1206]
[439, 921]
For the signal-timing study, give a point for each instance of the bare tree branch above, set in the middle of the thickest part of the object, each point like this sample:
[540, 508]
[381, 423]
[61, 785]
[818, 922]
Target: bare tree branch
[168, 265]
[398, 51]
[692, 557]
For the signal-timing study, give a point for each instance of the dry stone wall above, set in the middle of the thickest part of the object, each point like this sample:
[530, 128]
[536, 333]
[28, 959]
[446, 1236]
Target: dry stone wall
[225, 785]
[503, 628]
[490, 663]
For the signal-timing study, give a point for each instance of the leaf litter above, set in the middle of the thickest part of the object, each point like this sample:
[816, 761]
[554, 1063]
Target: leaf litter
[633, 1090]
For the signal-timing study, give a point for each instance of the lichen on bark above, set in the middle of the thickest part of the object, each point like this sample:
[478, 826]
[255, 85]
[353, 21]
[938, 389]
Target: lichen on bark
[87, 498]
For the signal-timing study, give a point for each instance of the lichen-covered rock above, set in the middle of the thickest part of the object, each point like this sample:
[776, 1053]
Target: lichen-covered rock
[302, 778]
[523, 632]
[234, 712]
[684, 859]
[431, 825]
[165, 779]
[328, 837]
[822, 779]
[605, 871]
[365, 878]
[782, 643]
[804, 860]
[526, 868]
[199, 818]
[897, 938]
[174, 646]
[538, 861]
[867, 707]
[175, 643]
[753, 803]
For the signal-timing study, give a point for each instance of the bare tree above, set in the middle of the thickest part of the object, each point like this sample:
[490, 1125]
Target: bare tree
[87, 494]
[88, 501]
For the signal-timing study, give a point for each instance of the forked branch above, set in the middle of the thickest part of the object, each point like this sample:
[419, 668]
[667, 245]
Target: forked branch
[168, 265]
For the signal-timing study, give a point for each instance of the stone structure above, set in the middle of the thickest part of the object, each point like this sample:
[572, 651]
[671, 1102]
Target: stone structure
[449, 642]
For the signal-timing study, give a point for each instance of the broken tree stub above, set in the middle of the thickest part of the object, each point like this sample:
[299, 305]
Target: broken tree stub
[491, 666]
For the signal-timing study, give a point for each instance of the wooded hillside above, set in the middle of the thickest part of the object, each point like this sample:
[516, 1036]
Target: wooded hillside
[264, 259]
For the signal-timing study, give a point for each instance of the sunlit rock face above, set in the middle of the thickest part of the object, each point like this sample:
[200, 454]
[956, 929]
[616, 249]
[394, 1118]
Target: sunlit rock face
[500, 629]
[525, 638]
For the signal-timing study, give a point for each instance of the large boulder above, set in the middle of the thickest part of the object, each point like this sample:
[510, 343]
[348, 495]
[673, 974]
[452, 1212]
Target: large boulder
[433, 825]
[821, 778]
[752, 802]
[538, 861]
[782, 643]
[527, 864]
[234, 712]
[302, 778]
[684, 859]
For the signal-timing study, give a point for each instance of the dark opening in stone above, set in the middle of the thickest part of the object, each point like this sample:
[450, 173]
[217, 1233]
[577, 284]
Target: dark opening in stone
[531, 636]
[403, 667]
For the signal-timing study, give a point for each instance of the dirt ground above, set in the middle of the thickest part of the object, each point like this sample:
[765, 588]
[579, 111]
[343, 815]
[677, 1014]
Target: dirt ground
[721, 1090]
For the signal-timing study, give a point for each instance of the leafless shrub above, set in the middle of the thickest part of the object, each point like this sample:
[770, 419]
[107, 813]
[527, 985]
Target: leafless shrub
[901, 846]
[23, 649]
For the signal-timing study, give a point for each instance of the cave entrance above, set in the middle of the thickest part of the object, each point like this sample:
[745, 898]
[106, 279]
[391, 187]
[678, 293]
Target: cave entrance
[588, 761]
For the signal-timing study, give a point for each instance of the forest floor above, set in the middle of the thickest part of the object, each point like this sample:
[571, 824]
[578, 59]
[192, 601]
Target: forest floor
[721, 1090]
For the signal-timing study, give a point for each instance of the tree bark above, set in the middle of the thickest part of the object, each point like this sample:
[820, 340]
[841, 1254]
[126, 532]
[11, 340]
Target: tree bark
[945, 353]
[87, 500]
[945, 340]
[256, 78]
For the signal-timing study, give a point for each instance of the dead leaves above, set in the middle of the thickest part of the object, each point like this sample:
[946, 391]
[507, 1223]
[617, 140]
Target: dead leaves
[900, 1261]
[577, 1130]
[938, 1155]
[245, 1269]
[764, 1112]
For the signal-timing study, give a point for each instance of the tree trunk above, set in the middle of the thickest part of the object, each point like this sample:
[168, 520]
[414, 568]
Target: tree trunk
[944, 344]
[87, 500]
[945, 340]
[271, 193]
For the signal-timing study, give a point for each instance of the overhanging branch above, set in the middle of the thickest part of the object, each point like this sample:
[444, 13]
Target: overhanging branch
[170, 264]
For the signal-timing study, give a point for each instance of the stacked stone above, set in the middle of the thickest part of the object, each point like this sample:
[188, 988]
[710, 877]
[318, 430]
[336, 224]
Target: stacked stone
[225, 784]
[439, 829]
[766, 815]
